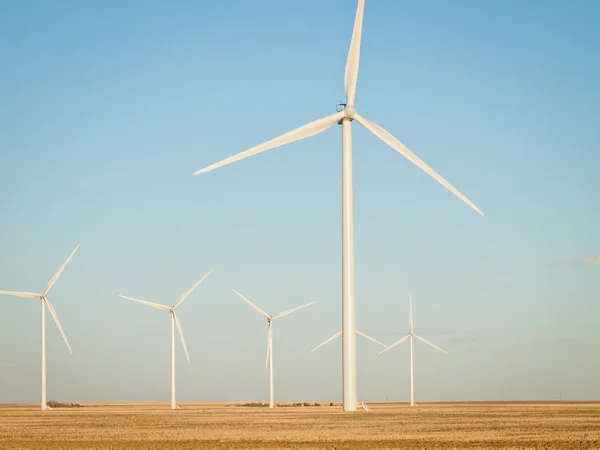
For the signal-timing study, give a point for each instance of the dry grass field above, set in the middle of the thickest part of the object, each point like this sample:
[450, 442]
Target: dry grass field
[206, 426]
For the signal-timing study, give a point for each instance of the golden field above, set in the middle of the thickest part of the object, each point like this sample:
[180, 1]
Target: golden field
[387, 426]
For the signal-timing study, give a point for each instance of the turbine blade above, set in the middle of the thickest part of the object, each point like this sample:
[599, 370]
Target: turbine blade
[55, 316]
[21, 294]
[178, 323]
[351, 76]
[360, 333]
[303, 132]
[269, 343]
[410, 321]
[57, 274]
[336, 335]
[394, 344]
[390, 140]
[256, 308]
[145, 302]
[187, 294]
[429, 343]
[285, 313]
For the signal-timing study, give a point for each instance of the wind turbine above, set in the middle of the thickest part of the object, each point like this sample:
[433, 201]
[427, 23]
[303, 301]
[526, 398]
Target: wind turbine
[174, 322]
[410, 336]
[43, 296]
[270, 320]
[339, 333]
[345, 116]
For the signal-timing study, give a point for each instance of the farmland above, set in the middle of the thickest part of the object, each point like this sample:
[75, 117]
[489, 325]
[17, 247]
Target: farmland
[387, 426]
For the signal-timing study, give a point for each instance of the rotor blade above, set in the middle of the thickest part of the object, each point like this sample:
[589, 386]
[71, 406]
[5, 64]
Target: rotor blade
[21, 294]
[354, 55]
[410, 321]
[285, 313]
[55, 316]
[145, 302]
[269, 343]
[303, 132]
[187, 294]
[394, 344]
[178, 323]
[370, 338]
[256, 308]
[427, 342]
[57, 274]
[336, 335]
[390, 140]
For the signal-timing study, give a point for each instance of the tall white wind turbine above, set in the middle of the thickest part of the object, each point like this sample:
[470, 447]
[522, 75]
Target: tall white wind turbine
[410, 336]
[270, 320]
[43, 296]
[345, 118]
[175, 322]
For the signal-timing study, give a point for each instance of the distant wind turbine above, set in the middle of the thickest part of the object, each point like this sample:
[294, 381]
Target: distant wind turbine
[345, 115]
[270, 320]
[174, 322]
[43, 296]
[339, 333]
[410, 336]
[360, 333]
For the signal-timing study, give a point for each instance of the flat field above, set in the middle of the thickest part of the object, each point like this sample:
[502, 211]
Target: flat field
[386, 426]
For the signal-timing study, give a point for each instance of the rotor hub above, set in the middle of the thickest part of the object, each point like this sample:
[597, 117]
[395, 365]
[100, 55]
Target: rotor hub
[350, 111]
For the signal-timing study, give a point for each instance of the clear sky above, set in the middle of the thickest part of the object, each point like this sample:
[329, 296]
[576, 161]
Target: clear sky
[107, 108]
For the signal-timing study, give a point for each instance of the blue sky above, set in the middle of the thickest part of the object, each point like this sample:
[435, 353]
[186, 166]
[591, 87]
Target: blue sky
[107, 108]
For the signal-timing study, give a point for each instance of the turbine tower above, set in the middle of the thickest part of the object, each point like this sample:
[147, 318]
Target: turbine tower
[345, 118]
[270, 320]
[43, 296]
[410, 336]
[175, 322]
